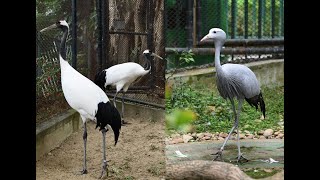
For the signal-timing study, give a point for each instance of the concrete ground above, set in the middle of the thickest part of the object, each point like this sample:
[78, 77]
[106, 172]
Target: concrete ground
[256, 151]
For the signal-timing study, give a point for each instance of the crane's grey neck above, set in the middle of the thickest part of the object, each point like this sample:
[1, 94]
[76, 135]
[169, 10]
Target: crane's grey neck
[63, 50]
[217, 48]
[147, 65]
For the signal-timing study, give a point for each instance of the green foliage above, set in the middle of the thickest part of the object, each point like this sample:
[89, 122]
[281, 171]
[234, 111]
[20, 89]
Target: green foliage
[214, 114]
[180, 120]
[186, 57]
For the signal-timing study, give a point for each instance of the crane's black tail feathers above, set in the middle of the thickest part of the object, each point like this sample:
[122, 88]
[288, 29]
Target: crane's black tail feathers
[258, 101]
[100, 79]
[108, 114]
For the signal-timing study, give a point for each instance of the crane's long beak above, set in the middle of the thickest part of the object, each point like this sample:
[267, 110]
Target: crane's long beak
[156, 55]
[49, 27]
[205, 38]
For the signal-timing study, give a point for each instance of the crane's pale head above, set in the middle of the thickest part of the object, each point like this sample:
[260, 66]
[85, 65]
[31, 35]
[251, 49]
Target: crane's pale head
[216, 35]
[59, 24]
[147, 53]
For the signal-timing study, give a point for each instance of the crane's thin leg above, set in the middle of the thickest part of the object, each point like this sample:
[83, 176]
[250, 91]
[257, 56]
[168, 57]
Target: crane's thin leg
[84, 171]
[104, 164]
[114, 99]
[122, 112]
[240, 156]
[219, 153]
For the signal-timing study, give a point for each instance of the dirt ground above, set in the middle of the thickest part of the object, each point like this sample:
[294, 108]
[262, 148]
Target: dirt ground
[139, 154]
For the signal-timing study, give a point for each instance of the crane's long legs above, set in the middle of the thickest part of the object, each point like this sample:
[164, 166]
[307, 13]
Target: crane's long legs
[84, 171]
[104, 164]
[219, 153]
[240, 156]
[114, 99]
[122, 110]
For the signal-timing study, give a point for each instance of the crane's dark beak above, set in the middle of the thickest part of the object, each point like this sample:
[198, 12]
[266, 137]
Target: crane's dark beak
[49, 27]
[156, 55]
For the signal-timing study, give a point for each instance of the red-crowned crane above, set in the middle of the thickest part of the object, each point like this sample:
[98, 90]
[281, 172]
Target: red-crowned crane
[86, 98]
[234, 81]
[123, 75]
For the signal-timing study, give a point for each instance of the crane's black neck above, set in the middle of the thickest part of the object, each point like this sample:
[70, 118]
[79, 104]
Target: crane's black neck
[63, 50]
[147, 65]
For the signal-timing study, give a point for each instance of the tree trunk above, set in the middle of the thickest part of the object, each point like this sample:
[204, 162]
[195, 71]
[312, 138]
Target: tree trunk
[205, 170]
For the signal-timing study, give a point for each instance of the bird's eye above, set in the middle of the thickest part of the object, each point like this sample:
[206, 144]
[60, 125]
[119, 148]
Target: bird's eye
[214, 31]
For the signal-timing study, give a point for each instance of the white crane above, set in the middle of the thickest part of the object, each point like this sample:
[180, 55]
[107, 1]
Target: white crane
[234, 81]
[86, 98]
[123, 75]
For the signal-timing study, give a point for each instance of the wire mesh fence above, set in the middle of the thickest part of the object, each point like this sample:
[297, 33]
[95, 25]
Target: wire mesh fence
[127, 31]
[135, 26]
[186, 22]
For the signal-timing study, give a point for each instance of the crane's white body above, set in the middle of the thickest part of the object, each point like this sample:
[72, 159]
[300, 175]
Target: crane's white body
[123, 75]
[86, 97]
[80, 92]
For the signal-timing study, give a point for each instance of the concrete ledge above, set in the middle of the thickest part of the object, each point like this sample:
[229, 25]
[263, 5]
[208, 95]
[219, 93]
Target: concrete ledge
[53, 132]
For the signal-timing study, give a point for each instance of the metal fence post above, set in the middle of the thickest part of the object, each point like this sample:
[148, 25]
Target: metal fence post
[74, 34]
[150, 15]
[99, 48]
[260, 4]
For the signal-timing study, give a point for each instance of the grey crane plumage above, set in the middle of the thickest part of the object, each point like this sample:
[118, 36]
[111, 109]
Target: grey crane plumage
[234, 81]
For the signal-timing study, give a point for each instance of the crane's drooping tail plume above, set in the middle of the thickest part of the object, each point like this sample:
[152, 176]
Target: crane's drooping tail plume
[108, 114]
[257, 100]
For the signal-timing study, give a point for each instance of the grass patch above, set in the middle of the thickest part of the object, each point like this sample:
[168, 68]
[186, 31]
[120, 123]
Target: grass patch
[258, 173]
[214, 114]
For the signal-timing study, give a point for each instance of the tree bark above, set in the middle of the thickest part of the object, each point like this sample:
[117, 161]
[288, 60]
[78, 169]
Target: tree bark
[205, 170]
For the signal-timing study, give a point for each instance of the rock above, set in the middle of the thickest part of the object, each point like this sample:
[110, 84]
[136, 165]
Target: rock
[224, 135]
[247, 132]
[261, 117]
[276, 133]
[175, 135]
[232, 137]
[241, 136]
[206, 138]
[280, 135]
[186, 138]
[260, 132]
[250, 136]
[267, 133]
[262, 137]
[220, 138]
[194, 135]
[200, 135]
[177, 140]
[207, 134]
[50, 154]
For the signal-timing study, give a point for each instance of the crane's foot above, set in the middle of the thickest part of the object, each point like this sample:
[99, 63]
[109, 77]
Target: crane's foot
[218, 156]
[123, 122]
[83, 171]
[104, 169]
[241, 159]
